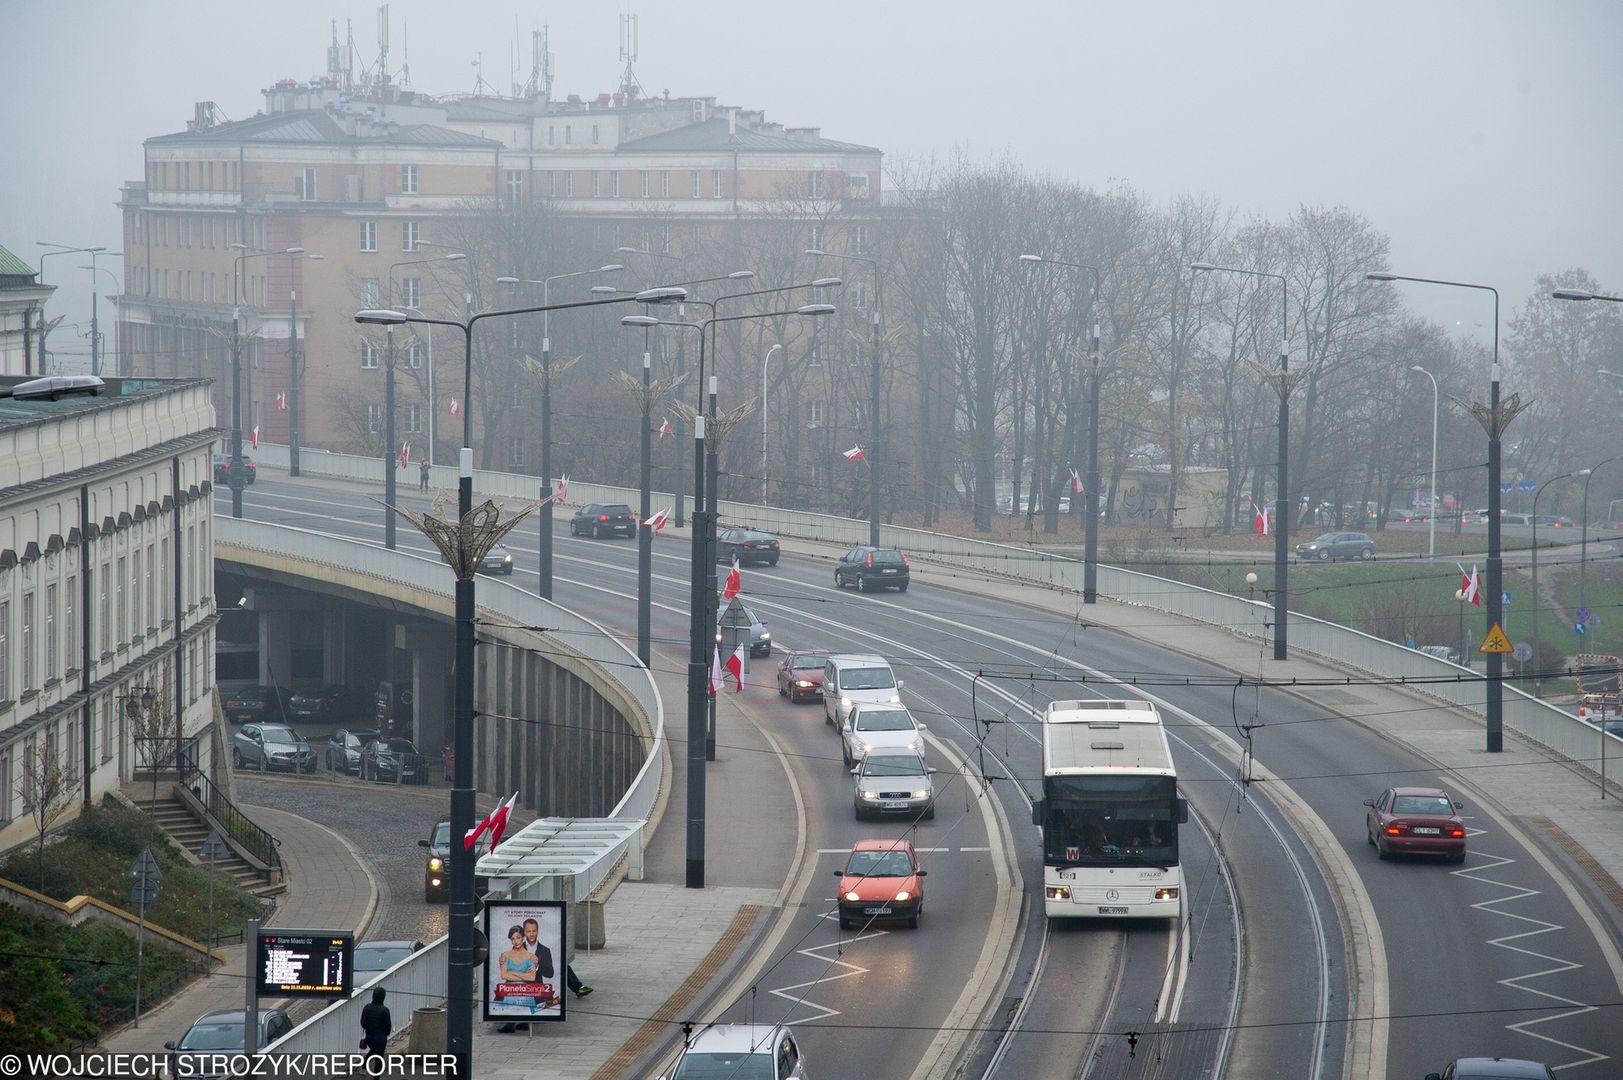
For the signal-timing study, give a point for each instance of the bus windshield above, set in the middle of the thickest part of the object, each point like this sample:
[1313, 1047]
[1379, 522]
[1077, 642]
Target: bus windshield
[1109, 821]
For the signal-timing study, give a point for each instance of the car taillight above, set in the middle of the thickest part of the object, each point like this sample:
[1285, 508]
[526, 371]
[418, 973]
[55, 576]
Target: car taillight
[905, 562]
[1397, 828]
[870, 558]
[1456, 832]
[602, 517]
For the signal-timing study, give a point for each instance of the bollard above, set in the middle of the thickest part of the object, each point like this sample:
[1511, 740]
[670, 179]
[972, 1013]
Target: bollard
[427, 1031]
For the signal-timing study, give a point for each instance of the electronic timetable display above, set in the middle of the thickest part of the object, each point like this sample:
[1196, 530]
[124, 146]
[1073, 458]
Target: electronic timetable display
[303, 963]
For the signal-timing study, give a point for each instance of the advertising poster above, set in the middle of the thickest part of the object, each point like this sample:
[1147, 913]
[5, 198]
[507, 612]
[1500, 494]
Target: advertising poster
[524, 972]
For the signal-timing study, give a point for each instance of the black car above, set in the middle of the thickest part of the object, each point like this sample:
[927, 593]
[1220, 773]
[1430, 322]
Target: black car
[393, 761]
[437, 865]
[870, 568]
[1337, 545]
[749, 545]
[248, 704]
[603, 519]
[497, 561]
[344, 748]
[223, 468]
[332, 703]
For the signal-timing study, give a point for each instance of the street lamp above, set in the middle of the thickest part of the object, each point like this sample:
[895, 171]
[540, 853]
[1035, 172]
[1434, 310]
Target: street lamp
[64, 249]
[544, 586]
[458, 551]
[95, 332]
[765, 363]
[1494, 417]
[293, 365]
[702, 595]
[873, 388]
[236, 476]
[1536, 642]
[1282, 384]
[1431, 542]
[1583, 541]
[1583, 294]
[1090, 496]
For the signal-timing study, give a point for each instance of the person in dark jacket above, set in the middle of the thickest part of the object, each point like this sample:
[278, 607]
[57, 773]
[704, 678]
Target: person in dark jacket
[376, 1024]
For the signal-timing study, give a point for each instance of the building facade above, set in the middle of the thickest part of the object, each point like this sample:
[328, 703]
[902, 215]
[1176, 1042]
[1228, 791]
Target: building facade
[22, 312]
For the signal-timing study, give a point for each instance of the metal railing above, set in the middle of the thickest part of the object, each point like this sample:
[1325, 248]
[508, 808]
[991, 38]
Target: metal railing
[415, 982]
[255, 840]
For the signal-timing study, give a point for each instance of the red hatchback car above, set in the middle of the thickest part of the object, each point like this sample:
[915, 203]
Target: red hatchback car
[1415, 821]
[800, 676]
[881, 879]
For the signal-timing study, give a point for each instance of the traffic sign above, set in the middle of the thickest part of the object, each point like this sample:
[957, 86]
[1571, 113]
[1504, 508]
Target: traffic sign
[1506, 486]
[1504, 598]
[1522, 653]
[1526, 485]
[1580, 629]
[1496, 642]
[1583, 614]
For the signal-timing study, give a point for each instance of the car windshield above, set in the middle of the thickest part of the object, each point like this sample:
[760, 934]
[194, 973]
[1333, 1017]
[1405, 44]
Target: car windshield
[872, 678]
[726, 1066]
[617, 508]
[755, 536]
[892, 765]
[399, 746]
[808, 663]
[214, 1035]
[280, 735]
[884, 720]
[352, 740]
[442, 835]
[1422, 804]
[879, 864]
[376, 958]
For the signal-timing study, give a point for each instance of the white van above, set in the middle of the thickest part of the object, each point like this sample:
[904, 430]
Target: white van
[849, 679]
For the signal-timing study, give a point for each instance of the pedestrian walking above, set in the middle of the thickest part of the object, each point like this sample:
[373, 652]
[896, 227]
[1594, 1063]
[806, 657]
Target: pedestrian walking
[375, 1025]
[576, 987]
[422, 475]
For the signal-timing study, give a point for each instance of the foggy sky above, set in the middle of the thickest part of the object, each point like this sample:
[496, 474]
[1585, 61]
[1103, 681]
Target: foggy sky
[1481, 137]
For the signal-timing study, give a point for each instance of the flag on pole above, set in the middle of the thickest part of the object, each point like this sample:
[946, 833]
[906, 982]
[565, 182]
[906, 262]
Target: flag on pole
[715, 671]
[1076, 483]
[1260, 523]
[735, 581]
[659, 520]
[405, 455]
[456, 407]
[664, 427]
[498, 822]
[1471, 585]
[856, 453]
[563, 488]
[253, 437]
[281, 402]
[735, 664]
[471, 837]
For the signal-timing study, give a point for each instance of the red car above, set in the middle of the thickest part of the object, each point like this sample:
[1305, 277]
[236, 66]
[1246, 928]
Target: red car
[1415, 821]
[881, 880]
[800, 676]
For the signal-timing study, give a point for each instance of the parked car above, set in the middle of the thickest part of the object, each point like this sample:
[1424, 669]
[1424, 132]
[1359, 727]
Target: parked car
[1415, 821]
[893, 781]
[746, 1051]
[598, 520]
[247, 704]
[760, 636]
[225, 465]
[872, 726]
[437, 863]
[748, 545]
[214, 1035]
[344, 748]
[1493, 1068]
[271, 746]
[369, 959]
[394, 761]
[870, 568]
[881, 879]
[324, 704]
[1337, 545]
[800, 676]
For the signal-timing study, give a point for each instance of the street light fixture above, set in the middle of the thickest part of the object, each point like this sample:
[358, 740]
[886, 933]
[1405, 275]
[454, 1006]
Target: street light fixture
[1282, 383]
[1431, 542]
[872, 455]
[464, 904]
[1583, 294]
[1090, 496]
[765, 363]
[544, 585]
[64, 249]
[293, 366]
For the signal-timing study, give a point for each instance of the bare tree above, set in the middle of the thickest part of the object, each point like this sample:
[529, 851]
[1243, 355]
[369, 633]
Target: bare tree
[49, 787]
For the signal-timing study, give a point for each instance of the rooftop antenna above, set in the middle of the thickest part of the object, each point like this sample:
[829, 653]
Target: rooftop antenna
[338, 65]
[512, 59]
[629, 86]
[540, 83]
[382, 72]
[405, 55]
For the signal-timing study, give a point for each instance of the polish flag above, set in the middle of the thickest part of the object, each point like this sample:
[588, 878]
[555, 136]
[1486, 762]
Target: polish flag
[281, 402]
[659, 520]
[253, 437]
[1471, 585]
[1260, 523]
[456, 407]
[735, 581]
[715, 671]
[735, 664]
[405, 455]
[563, 488]
[664, 427]
[1076, 483]
[856, 453]
[498, 820]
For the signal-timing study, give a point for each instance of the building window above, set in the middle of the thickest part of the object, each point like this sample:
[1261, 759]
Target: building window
[121, 601]
[515, 449]
[715, 183]
[569, 184]
[70, 615]
[304, 184]
[617, 237]
[665, 239]
[645, 183]
[859, 295]
[374, 419]
[694, 179]
[414, 418]
[163, 581]
[814, 414]
[369, 236]
[568, 135]
[814, 236]
[135, 594]
[594, 134]
[515, 185]
[369, 355]
[856, 185]
[414, 354]
[552, 134]
[410, 235]
[859, 239]
[52, 655]
[814, 354]
[597, 184]
[552, 184]
[614, 183]
[371, 293]
[5, 650]
[411, 292]
[664, 183]
[814, 183]
[408, 179]
[106, 608]
[150, 591]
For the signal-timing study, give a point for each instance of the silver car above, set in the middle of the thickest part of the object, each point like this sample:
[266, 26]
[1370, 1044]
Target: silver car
[271, 746]
[876, 726]
[892, 781]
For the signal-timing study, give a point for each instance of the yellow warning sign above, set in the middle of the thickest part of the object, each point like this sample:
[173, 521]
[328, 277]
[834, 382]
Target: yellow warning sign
[1496, 641]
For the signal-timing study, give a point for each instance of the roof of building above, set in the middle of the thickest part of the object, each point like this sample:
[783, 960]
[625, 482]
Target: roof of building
[713, 135]
[316, 126]
[11, 266]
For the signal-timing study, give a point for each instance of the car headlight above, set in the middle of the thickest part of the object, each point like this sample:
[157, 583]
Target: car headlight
[904, 895]
[852, 896]
[895, 699]
[921, 794]
[802, 684]
[870, 794]
[1058, 892]
[866, 747]
[913, 744]
[845, 703]
[435, 863]
[507, 560]
[766, 635]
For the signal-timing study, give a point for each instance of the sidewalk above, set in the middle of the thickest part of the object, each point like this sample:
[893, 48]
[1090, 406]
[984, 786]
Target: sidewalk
[327, 887]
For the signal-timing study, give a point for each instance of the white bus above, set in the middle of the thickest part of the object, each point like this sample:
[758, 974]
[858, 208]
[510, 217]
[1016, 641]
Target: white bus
[1109, 813]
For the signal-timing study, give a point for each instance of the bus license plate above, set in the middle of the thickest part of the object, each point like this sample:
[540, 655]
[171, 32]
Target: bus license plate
[1112, 910]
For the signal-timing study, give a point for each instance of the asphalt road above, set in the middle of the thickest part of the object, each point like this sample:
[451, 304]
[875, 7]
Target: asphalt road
[1485, 958]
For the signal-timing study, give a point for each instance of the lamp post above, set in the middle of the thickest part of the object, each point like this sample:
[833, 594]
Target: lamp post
[1534, 605]
[873, 388]
[544, 586]
[465, 560]
[765, 363]
[1494, 417]
[95, 333]
[235, 478]
[293, 366]
[701, 623]
[388, 439]
[1583, 524]
[63, 249]
[1431, 541]
[1090, 496]
[1283, 383]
